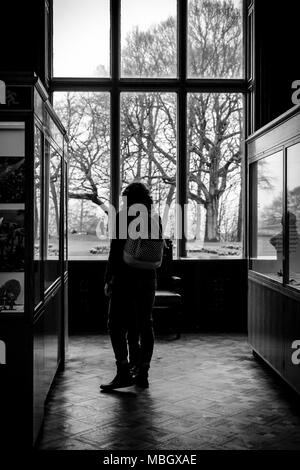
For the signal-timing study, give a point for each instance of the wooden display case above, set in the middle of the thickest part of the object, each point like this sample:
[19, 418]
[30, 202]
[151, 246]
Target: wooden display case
[33, 270]
[274, 244]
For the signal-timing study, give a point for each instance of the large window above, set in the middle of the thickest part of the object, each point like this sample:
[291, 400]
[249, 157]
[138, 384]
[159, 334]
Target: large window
[152, 90]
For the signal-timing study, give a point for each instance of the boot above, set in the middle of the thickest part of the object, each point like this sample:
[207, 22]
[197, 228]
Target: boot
[121, 380]
[134, 369]
[141, 379]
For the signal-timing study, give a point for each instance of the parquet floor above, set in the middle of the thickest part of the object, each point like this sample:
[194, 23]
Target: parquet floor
[206, 392]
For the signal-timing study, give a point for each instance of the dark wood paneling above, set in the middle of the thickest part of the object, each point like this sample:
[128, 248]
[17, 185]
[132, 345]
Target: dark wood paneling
[214, 295]
[33, 338]
[65, 320]
[265, 324]
[47, 340]
[88, 305]
[276, 34]
[39, 383]
[52, 333]
[291, 313]
[275, 134]
[15, 383]
[273, 325]
[23, 38]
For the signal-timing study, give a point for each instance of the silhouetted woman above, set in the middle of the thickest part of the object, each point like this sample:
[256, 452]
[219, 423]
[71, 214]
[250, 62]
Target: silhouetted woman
[131, 291]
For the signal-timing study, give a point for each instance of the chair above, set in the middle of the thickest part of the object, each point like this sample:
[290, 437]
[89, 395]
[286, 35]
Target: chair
[168, 296]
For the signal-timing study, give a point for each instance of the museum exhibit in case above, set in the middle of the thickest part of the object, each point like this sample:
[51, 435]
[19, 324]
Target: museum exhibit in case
[33, 253]
[274, 243]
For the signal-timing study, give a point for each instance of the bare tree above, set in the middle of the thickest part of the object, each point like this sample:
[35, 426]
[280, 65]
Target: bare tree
[86, 118]
[214, 151]
[148, 120]
[215, 120]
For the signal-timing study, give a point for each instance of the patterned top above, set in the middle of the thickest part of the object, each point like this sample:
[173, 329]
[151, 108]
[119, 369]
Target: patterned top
[116, 268]
[294, 240]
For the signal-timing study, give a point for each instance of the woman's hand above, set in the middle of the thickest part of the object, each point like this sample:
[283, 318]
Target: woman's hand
[107, 289]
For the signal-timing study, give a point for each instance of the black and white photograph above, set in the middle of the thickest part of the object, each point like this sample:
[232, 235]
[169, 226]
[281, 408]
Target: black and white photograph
[12, 180]
[150, 230]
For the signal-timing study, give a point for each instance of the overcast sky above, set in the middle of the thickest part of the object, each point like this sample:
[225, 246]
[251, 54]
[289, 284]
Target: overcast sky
[81, 30]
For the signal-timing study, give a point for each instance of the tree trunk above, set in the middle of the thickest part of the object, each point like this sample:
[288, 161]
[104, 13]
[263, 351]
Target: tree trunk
[198, 221]
[168, 204]
[55, 203]
[211, 228]
[81, 217]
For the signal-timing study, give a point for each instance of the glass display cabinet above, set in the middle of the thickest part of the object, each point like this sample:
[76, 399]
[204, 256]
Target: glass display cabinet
[275, 214]
[274, 243]
[33, 249]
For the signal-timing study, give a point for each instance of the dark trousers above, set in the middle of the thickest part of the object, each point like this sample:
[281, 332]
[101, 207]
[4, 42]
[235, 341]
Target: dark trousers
[130, 313]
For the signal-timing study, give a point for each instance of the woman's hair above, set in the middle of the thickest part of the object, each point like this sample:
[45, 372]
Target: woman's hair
[138, 193]
[291, 218]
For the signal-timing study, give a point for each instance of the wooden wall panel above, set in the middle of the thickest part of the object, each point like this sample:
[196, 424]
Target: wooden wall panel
[15, 384]
[278, 134]
[273, 325]
[52, 333]
[47, 333]
[214, 295]
[291, 313]
[39, 383]
[265, 324]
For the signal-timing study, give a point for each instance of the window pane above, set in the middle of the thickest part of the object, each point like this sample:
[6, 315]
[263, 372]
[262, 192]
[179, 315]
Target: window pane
[38, 248]
[214, 212]
[66, 208]
[81, 38]
[86, 117]
[53, 188]
[293, 196]
[148, 149]
[148, 38]
[266, 216]
[215, 39]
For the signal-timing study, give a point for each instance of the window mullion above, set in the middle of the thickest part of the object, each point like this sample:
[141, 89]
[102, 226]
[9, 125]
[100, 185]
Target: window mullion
[182, 6]
[182, 9]
[115, 12]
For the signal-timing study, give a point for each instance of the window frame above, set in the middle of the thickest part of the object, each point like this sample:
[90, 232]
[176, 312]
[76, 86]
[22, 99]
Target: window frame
[282, 148]
[182, 85]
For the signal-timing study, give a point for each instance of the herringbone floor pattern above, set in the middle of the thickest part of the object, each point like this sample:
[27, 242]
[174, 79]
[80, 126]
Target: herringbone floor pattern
[206, 392]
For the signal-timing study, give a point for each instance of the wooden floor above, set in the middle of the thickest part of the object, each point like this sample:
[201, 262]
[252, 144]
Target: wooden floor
[206, 392]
